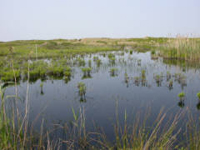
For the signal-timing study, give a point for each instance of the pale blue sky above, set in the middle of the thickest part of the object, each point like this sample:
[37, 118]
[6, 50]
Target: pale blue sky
[51, 19]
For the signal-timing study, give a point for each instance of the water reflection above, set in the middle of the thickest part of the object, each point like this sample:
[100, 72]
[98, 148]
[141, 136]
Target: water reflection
[181, 103]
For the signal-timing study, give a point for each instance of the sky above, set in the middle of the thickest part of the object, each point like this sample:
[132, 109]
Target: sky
[69, 19]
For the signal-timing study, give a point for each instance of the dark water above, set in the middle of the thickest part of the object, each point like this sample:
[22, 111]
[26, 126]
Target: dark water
[104, 92]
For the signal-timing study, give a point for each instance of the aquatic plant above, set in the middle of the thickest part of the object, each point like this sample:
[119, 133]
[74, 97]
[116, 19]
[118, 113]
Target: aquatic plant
[139, 62]
[153, 52]
[198, 95]
[198, 106]
[170, 84]
[41, 87]
[126, 78]
[181, 79]
[158, 78]
[10, 75]
[113, 72]
[82, 89]
[112, 58]
[110, 55]
[181, 95]
[98, 62]
[95, 58]
[86, 72]
[90, 63]
[181, 104]
[81, 62]
[137, 81]
[122, 53]
[168, 75]
[143, 74]
[67, 73]
[56, 71]
[143, 78]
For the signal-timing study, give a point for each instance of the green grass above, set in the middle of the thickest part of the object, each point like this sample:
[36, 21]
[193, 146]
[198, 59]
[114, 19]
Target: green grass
[14, 54]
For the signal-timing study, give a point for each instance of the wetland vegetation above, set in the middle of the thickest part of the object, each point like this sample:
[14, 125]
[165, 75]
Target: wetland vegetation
[138, 93]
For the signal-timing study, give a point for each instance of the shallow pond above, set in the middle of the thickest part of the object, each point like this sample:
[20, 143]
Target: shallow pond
[130, 83]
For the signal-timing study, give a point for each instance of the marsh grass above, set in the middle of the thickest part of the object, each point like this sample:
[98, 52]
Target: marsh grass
[181, 48]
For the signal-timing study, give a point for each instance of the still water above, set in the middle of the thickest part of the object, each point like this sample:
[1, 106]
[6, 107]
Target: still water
[138, 84]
